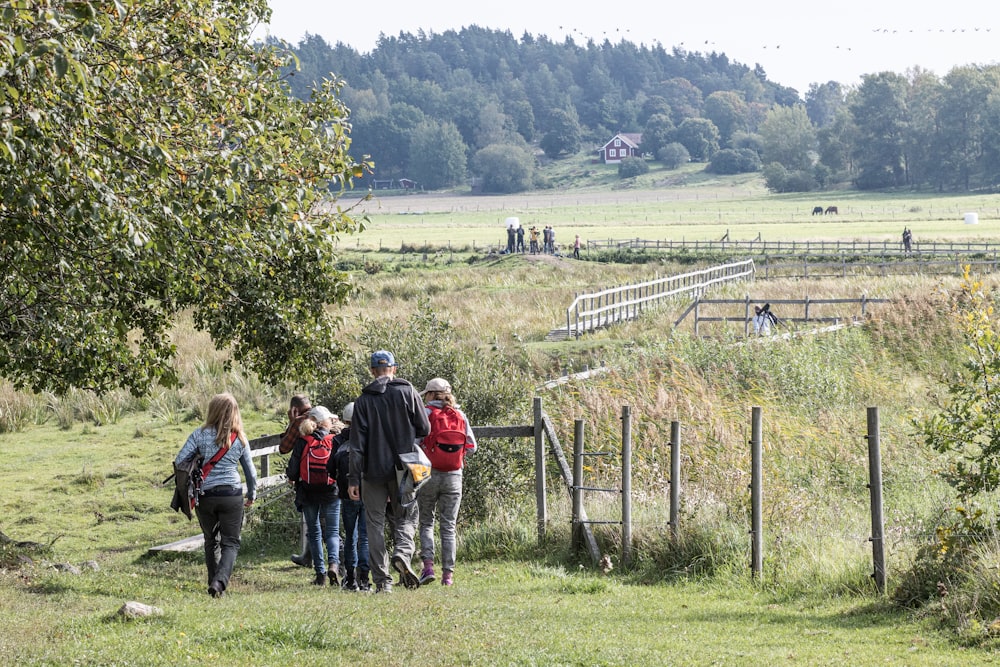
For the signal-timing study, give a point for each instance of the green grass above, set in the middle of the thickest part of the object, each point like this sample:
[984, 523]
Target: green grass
[503, 613]
[684, 204]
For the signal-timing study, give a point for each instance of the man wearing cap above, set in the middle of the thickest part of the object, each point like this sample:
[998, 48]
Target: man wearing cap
[388, 418]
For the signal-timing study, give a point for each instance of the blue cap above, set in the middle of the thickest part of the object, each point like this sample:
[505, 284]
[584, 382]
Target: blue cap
[383, 359]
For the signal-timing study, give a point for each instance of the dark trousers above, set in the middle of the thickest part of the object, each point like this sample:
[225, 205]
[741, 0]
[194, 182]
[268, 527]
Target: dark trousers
[355, 534]
[221, 519]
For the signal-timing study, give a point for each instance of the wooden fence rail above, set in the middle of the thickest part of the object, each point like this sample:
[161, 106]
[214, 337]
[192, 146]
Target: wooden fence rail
[808, 304]
[758, 246]
[599, 309]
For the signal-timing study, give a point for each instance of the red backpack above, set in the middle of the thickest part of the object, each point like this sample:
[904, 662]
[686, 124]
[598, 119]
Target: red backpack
[315, 456]
[445, 444]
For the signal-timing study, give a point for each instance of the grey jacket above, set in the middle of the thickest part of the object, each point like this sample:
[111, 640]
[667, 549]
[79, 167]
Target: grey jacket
[388, 418]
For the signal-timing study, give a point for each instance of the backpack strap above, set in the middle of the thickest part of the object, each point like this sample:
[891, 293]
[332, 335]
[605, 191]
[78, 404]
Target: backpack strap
[207, 468]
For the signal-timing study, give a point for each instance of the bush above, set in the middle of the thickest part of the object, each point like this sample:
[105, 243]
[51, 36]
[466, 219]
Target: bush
[673, 155]
[631, 167]
[779, 179]
[730, 161]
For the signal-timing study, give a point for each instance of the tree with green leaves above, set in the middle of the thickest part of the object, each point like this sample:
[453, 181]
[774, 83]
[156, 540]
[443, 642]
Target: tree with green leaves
[881, 114]
[152, 164]
[788, 138]
[563, 137]
[437, 154]
[699, 136]
[504, 168]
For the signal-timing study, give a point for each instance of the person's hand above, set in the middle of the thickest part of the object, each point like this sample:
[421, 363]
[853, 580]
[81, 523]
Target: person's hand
[353, 492]
[248, 503]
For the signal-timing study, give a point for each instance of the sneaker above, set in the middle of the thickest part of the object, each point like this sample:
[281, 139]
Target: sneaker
[320, 579]
[362, 578]
[446, 578]
[383, 588]
[407, 577]
[331, 575]
[216, 590]
[427, 576]
[350, 583]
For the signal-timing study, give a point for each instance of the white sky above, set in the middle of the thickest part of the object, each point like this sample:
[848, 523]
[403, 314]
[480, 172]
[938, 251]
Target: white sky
[796, 42]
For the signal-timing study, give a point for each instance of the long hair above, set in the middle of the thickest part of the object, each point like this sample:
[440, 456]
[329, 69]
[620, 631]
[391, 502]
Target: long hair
[224, 417]
[446, 397]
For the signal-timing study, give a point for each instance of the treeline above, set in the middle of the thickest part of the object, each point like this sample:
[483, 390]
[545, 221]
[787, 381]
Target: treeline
[481, 105]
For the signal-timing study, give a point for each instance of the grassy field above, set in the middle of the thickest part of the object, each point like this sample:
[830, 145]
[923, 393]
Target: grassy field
[83, 475]
[105, 503]
[685, 204]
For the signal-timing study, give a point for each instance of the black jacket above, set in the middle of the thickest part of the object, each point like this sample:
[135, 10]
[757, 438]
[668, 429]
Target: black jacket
[388, 418]
[339, 465]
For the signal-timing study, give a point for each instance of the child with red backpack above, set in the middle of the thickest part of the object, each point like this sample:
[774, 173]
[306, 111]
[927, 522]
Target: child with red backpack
[316, 492]
[449, 440]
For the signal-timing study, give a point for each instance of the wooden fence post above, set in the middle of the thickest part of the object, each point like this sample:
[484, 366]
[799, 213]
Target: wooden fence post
[626, 485]
[875, 487]
[756, 496]
[675, 479]
[577, 483]
[541, 508]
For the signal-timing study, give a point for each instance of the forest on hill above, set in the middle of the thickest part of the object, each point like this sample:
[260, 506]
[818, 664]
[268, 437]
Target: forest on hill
[480, 106]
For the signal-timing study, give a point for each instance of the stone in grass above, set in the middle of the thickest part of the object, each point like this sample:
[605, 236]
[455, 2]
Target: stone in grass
[133, 609]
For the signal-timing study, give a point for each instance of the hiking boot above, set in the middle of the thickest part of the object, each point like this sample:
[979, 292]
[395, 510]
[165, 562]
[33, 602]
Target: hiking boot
[216, 590]
[384, 587]
[320, 579]
[363, 585]
[350, 583]
[331, 575]
[427, 576]
[446, 578]
[407, 577]
[302, 560]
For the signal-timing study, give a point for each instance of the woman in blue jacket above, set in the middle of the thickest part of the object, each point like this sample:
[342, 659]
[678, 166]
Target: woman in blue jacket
[220, 506]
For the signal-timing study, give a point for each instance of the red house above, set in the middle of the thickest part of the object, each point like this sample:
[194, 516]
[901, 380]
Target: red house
[622, 145]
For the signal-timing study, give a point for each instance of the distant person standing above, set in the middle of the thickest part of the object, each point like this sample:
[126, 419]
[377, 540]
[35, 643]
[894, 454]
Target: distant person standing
[763, 319]
[388, 418]
[533, 240]
[511, 238]
[907, 240]
[552, 240]
[223, 445]
[576, 247]
[546, 239]
[520, 238]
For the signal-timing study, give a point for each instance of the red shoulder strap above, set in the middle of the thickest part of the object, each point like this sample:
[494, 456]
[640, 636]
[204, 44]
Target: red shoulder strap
[207, 468]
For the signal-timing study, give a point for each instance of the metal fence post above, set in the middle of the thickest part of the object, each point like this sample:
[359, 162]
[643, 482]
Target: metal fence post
[756, 496]
[626, 485]
[675, 479]
[541, 509]
[875, 486]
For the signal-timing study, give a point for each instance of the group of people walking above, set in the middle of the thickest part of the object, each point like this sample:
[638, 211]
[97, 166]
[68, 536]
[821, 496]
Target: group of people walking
[347, 472]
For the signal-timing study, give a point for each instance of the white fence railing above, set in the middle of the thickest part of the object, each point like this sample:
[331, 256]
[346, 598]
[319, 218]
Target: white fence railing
[617, 304]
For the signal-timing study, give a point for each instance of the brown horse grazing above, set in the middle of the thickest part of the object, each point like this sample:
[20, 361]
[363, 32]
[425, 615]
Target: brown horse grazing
[831, 209]
[818, 210]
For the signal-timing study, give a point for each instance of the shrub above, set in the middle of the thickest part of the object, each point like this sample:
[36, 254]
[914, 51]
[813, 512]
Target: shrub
[730, 161]
[631, 167]
[673, 155]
